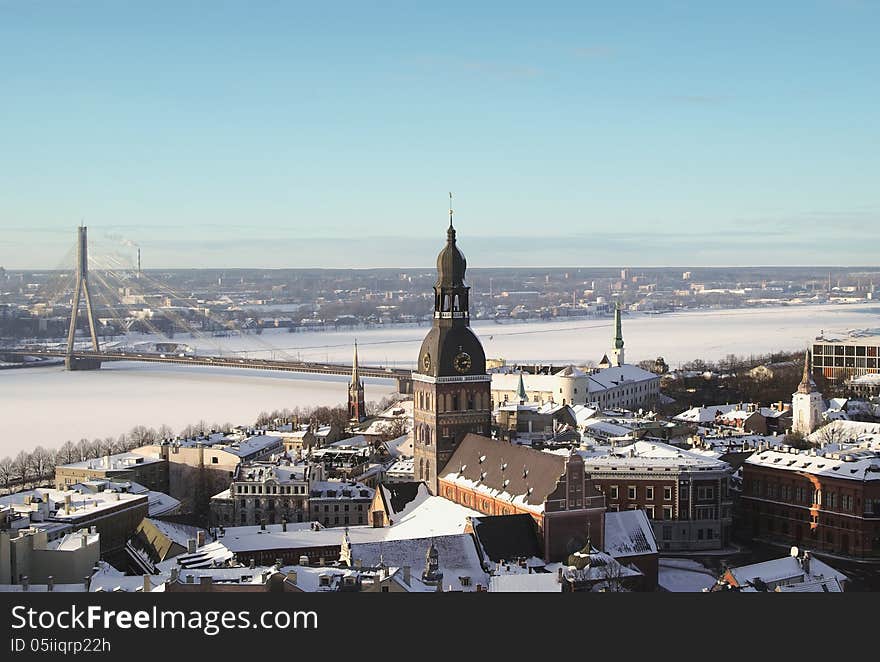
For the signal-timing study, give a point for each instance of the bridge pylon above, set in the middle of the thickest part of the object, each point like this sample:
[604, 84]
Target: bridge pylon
[82, 288]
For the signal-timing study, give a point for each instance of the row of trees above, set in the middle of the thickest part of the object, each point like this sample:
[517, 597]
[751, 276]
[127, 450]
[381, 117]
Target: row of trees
[37, 466]
[337, 416]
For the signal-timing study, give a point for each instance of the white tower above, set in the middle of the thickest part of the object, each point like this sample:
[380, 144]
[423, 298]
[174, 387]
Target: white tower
[806, 403]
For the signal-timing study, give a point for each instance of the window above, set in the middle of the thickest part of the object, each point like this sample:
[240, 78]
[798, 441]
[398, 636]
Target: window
[214, 460]
[667, 512]
[699, 534]
[667, 493]
[649, 511]
[613, 491]
[649, 492]
[631, 492]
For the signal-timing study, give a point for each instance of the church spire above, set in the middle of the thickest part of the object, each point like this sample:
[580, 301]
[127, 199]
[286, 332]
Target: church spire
[617, 343]
[521, 391]
[355, 374]
[356, 407]
[807, 384]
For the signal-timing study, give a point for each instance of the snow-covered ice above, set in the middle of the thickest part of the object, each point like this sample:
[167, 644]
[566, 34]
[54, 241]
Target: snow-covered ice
[48, 405]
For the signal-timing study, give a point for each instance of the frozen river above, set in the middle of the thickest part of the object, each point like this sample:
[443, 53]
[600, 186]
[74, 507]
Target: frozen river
[48, 405]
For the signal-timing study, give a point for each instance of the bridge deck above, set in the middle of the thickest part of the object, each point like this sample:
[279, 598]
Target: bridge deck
[223, 361]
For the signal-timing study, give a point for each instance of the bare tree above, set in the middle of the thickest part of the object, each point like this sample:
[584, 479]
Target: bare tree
[67, 453]
[831, 434]
[41, 462]
[165, 432]
[7, 471]
[21, 467]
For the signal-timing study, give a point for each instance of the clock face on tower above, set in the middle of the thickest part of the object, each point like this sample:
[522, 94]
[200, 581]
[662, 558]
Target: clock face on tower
[462, 362]
[426, 362]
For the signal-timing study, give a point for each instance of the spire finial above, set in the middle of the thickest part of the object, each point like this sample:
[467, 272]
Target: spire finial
[450, 233]
[450, 209]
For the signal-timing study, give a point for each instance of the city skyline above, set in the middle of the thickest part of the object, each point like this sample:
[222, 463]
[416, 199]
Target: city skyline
[673, 135]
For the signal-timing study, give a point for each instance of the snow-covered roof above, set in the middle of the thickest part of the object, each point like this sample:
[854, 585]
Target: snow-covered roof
[785, 570]
[177, 533]
[608, 378]
[652, 454]
[456, 554]
[704, 414]
[80, 503]
[339, 489]
[160, 504]
[402, 446]
[851, 464]
[536, 582]
[629, 533]
[116, 462]
[357, 441]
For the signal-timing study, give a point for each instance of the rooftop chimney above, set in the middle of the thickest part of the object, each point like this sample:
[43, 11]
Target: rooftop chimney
[25, 583]
[304, 560]
[284, 525]
[253, 564]
[200, 538]
[50, 583]
[191, 546]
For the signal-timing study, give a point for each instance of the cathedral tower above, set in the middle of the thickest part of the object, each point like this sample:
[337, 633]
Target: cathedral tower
[451, 389]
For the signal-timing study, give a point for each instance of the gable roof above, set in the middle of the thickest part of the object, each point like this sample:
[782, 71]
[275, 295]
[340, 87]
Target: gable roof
[517, 471]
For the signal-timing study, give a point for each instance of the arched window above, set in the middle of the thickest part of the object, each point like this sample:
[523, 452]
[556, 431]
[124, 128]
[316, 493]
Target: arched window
[456, 306]
[421, 468]
[427, 471]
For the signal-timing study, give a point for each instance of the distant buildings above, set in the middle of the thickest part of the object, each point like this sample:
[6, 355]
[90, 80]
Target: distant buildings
[840, 358]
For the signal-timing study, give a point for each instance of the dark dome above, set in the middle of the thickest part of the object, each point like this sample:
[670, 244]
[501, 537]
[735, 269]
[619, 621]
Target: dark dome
[451, 263]
[443, 343]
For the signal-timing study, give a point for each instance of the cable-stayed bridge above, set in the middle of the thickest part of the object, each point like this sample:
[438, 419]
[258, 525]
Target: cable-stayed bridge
[91, 359]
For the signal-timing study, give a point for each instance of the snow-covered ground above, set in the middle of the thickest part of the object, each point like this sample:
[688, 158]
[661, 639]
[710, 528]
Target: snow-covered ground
[48, 405]
[684, 576]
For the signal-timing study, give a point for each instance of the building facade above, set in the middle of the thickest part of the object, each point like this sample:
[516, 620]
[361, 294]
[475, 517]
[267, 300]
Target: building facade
[686, 496]
[827, 501]
[838, 359]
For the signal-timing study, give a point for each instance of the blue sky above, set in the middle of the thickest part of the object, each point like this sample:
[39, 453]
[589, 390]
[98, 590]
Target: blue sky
[285, 134]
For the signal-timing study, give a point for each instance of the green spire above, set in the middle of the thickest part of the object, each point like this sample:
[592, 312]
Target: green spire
[618, 331]
[521, 390]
